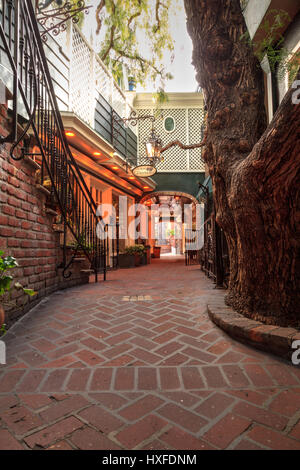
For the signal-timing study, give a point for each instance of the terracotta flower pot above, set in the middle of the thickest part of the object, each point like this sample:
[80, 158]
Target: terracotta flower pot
[2, 316]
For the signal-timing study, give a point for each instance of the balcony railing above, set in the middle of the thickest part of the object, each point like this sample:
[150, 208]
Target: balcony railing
[84, 86]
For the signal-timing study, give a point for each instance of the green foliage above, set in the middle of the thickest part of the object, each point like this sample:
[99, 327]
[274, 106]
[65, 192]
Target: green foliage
[3, 330]
[6, 264]
[124, 25]
[280, 59]
[135, 249]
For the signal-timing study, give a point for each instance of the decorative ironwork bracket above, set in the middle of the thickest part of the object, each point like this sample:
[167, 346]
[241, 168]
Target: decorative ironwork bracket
[55, 20]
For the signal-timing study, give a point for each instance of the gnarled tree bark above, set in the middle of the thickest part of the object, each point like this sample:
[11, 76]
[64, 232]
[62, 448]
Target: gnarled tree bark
[255, 170]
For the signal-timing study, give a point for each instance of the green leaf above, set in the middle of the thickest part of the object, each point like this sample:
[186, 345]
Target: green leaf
[30, 292]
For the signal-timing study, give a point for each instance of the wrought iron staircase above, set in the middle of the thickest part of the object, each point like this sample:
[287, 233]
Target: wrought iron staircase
[35, 107]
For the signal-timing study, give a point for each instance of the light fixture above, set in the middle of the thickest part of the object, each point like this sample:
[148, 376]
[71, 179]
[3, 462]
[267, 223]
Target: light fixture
[70, 134]
[154, 148]
[97, 154]
[115, 167]
[131, 177]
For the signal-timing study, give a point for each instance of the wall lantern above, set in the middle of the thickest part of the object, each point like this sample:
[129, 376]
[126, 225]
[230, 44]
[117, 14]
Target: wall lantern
[154, 148]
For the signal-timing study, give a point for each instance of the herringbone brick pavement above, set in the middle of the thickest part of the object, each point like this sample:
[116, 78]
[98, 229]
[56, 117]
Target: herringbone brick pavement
[135, 363]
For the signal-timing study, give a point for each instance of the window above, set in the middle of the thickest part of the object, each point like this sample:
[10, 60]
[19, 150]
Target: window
[169, 124]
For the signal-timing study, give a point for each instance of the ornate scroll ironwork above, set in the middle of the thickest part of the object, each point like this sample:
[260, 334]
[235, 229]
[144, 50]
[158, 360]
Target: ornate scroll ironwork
[55, 20]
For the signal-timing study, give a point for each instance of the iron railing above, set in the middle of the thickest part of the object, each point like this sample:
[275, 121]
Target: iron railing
[35, 107]
[214, 258]
[192, 245]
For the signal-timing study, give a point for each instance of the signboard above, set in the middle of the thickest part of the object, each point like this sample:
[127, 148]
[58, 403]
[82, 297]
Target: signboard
[144, 170]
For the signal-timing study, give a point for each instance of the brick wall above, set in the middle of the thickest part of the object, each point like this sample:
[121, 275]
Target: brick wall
[26, 232]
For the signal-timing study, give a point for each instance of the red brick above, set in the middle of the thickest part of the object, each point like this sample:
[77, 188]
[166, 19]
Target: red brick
[249, 395]
[169, 378]
[261, 416]
[142, 332]
[202, 356]
[124, 379]
[191, 378]
[272, 439]
[213, 377]
[59, 430]
[189, 331]
[35, 401]
[93, 344]
[168, 348]
[235, 376]
[244, 444]
[89, 357]
[120, 361]
[20, 420]
[175, 360]
[286, 403]
[226, 430]
[8, 401]
[61, 445]
[10, 380]
[8, 442]
[111, 401]
[184, 418]
[55, 381]
[78, 380]
[63, 408]
[61, 362]
[258, 375]
[31, 381]
[135, 434]
[145, 356]
[214, 405]
[89, 439]
[117, 350]
[296, 431]
[42, 344]
[282, 374]
[164, 338]
[147, 379]
[101, 419]
[141, 408]
[180, 440]
[101, 379]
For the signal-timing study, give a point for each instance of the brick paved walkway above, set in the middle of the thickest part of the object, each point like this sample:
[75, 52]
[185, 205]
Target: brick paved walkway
[90, 369]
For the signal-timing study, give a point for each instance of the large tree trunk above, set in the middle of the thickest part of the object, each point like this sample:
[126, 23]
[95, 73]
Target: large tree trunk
[255, 171]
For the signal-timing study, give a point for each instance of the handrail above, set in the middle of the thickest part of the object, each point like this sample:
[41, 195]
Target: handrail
[21, 39]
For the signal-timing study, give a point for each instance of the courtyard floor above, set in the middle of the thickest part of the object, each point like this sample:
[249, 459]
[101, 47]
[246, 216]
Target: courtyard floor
[135, 363]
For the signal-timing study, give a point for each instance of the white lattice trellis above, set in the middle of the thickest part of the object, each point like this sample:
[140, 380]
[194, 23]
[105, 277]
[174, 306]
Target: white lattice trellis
[80, 83]
[187, 130]
[196, 120]
[102, 81]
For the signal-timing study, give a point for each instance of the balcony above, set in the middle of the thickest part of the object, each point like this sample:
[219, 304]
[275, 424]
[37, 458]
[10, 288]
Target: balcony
[84, 87]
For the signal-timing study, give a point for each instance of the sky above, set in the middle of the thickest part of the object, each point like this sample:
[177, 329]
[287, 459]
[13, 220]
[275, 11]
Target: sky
[181, 68]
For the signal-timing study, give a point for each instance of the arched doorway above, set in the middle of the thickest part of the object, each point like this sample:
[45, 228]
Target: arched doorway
[172, 215]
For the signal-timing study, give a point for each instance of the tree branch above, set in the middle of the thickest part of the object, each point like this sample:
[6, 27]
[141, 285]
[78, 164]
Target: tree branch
[137, 57]
[98, 19]
[184, 147]
[111, 43]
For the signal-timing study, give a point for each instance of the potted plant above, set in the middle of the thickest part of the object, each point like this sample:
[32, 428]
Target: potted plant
[148, 253]
[126, 259]
[6, 264]
[137, 251]
[156, 252]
